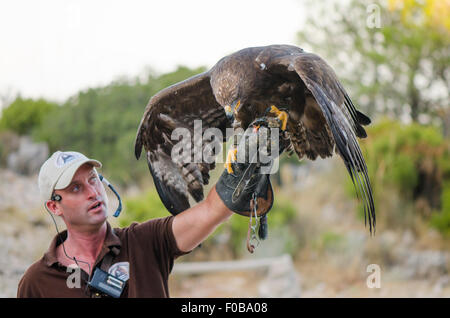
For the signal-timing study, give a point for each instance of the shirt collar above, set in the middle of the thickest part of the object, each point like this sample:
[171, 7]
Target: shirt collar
[111, 243]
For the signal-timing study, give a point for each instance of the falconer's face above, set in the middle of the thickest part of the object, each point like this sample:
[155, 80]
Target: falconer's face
[84, 201]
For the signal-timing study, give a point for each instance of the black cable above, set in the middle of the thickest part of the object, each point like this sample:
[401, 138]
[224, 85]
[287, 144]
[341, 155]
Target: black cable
[64, 249]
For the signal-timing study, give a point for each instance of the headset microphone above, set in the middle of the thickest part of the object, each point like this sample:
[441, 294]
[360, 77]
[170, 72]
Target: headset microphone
[109, 185]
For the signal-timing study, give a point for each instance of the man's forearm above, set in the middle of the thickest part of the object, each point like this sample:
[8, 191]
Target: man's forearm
[194, 225]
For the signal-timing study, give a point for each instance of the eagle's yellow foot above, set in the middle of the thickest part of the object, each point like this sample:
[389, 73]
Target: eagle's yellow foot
[281, 115]
[231, 157]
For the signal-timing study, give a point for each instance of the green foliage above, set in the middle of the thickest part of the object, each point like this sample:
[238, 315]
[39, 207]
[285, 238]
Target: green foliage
[329, 241]
[403, 173]
[9, 142]
[395, 152]
[102, 123]
[23, 115]
[407, 163]
[142, 208]
[293, 159]
[441, 220]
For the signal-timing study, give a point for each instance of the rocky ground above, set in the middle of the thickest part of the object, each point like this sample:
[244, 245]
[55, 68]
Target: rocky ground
[25, 228]
[331, 261]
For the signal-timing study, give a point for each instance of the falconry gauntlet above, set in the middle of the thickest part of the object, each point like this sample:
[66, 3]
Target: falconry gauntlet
[245, 188]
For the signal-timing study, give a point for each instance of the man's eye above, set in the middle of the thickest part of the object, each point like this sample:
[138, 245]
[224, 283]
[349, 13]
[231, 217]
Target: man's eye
[75, 188]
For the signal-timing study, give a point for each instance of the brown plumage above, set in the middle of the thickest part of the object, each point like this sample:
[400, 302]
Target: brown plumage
[322, 118]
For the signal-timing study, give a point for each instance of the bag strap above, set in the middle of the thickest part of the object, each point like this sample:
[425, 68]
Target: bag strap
[108, 259]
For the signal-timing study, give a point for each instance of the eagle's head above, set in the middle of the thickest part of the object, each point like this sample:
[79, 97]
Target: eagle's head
[229, 94]
[232, 110]
[232, 84]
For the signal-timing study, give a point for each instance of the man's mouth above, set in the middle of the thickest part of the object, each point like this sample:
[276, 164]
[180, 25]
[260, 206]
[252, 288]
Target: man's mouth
[96, 205]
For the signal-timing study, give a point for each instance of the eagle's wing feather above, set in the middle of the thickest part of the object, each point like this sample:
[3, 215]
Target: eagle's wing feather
[343, 121]
[178, 106]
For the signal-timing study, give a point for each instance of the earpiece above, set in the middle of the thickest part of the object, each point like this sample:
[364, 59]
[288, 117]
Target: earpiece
[56, 197]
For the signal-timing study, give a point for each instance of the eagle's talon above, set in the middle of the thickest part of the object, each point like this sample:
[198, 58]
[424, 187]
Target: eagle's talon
[281, 115]
[231, 157]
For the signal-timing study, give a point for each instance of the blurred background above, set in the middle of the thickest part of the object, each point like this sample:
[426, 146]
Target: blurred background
[77, 75]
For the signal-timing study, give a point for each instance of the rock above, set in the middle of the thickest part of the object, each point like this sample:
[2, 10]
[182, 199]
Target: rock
[282, 281]
[389, 238]
[329, 213]
[441, 283]
[20, 192]
[426, 264]
[29, 157]
[356, 241]
[408, 239]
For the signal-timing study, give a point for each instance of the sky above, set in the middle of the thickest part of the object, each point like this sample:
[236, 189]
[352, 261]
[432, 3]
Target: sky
[54, 48]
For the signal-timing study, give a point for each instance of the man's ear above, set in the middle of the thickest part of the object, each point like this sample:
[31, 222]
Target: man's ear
[53, 207]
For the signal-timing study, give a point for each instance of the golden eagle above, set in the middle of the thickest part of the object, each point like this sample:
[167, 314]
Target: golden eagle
[284, 81]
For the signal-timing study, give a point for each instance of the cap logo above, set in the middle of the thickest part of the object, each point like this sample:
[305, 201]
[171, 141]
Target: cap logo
[64, 158]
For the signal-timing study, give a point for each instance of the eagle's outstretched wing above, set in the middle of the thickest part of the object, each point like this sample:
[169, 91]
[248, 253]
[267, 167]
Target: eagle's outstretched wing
[330, 118]
[178, 106]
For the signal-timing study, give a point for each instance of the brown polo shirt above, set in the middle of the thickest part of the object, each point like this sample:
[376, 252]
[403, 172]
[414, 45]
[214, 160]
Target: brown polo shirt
[142, 254]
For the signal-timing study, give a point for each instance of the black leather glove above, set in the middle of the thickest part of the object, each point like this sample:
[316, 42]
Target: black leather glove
[247, 190]
[239, 190]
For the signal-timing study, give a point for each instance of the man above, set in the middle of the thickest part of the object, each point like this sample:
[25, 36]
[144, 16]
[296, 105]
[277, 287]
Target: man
[140, 255]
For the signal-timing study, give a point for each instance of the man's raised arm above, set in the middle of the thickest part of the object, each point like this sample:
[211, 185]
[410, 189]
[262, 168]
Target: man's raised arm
[194, 225]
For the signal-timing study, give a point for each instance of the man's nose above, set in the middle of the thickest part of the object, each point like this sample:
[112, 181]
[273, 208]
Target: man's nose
[92, 191]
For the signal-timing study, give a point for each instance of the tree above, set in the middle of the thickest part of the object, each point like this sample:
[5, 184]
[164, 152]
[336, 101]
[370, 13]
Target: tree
[102, 123]
[393, 57]
[23, 115]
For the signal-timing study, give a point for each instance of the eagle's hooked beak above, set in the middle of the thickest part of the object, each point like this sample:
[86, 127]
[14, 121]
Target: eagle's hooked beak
[232, 110]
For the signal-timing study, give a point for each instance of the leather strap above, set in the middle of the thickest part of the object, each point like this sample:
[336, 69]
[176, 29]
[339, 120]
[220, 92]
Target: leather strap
[108, 259]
